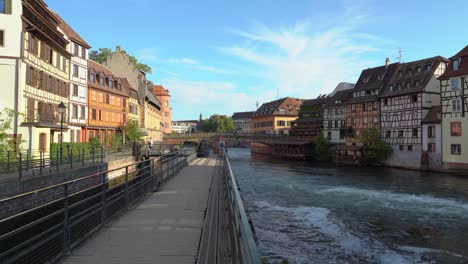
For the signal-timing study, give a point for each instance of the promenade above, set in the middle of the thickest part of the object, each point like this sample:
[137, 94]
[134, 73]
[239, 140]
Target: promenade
[165, 228]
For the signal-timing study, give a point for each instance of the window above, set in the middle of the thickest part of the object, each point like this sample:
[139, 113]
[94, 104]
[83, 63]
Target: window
[336, 124]
[455, 84]
[455, 129]
[376, 120]
[57, 61]
[75, 90]
[385, 102]
[75, 111]
[353, 121]
[124, 102]
[456, 149]
[166, 114]
[387, 134]
[111, 84]
[329, 135]
[83, 112]
[400, 133]
[280, 123]
[366, 80]
[456, 105]
[402, 147]
[380, 78]
[390, 87]
[419, 69]
[414, 98]
[102, 80]
[353, 107]
[374, 105]
[330, 124]
[92, 77]
[93, 114]
[120, 87]
[76, 50]
[281, 111]
[78, 136]
[431, 131]
[408, 84]
[364, 107]
[365, 120]
[107, 98]
[410, 147]
[428, 67]
[415, 132]
[83, 53]
[456, 64]
[2, 6]
[431, 147]
[417, 83]
[64, 64]
[75, 70]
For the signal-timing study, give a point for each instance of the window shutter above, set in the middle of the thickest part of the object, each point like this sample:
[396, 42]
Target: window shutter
[8, 7]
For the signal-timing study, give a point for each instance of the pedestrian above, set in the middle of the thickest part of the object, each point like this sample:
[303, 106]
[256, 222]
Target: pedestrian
[150, 144]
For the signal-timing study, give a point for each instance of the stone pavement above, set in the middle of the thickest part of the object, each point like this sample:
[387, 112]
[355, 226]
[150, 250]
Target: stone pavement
[165, 228]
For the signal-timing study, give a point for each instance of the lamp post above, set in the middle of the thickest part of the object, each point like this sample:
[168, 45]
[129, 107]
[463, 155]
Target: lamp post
[61, 108]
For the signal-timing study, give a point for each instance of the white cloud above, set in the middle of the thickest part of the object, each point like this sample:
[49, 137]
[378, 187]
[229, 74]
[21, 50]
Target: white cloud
[304, 62]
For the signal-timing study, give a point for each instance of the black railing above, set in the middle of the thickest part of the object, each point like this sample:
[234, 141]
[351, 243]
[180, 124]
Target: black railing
[79, 208]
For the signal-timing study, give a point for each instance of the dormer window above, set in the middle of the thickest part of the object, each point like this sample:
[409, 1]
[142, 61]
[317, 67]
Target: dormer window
[456, 64]
[111, 84]
[417, 83]
[398, 86]
[92, 77]
[380, 78]
[390, 87]
[366, 80]
[368, 92]
[408, 84]
[120, 87]
[102, 80]
[419, 69]
[428, 67]
[281, 110]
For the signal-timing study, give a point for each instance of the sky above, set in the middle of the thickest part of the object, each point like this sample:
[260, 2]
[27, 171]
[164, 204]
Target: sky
[220, 57]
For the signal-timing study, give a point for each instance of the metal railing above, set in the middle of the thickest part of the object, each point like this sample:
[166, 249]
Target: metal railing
[225, 134]
[39, 162]
[244, 248]
[78, 208]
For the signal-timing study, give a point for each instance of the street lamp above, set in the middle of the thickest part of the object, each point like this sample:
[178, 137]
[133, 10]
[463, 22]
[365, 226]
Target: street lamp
[61, 109]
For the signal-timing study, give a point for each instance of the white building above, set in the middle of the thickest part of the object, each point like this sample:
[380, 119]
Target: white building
[184, 126]
[242, 121]
[432, 139]
[77, 107]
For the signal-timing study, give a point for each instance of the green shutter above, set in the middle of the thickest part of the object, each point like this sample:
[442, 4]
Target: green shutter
[8, 7]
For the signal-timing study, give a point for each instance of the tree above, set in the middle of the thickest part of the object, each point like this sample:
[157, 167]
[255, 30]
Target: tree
[6, 143]
[375, 150]
[218, 123]
[321, 147]
[101, 57]
[133, 132]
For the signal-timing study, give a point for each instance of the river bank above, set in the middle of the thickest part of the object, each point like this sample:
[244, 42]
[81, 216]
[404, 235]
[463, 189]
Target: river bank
[314, 213]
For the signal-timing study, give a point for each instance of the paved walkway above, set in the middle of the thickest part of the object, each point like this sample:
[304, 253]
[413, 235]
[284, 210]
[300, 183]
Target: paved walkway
[165, 228]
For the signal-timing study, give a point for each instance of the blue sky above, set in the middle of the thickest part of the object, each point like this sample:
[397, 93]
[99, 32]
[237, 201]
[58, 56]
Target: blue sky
[221, 57]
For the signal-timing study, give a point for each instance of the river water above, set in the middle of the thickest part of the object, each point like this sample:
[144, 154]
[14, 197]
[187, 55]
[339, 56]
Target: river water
[312, 213]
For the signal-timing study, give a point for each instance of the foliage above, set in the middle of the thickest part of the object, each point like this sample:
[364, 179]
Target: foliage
[218, 123]
[94, 143]
[116, 140]
[321, 147]
[133, 132]
[6, 143]
[375, 150]
[101, 57]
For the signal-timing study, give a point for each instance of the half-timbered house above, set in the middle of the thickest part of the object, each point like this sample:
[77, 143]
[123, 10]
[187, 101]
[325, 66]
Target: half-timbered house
[310, 121]
[334, 117]
[454, 102]
[404, 102]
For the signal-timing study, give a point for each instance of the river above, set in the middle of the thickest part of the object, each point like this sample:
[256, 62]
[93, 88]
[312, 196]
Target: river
[316, 213]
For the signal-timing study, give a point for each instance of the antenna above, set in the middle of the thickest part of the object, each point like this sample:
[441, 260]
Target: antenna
[400, 54]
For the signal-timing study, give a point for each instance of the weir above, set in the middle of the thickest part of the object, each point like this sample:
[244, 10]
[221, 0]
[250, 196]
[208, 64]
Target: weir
[172, 209]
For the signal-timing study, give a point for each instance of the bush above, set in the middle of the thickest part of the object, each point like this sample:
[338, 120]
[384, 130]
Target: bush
[321, 148]
[375, 150]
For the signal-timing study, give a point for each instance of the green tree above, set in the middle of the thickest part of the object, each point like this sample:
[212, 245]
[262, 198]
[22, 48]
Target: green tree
[6, 119]
[321, 147]
[133, 132]
[218, 123]
[100, 56]
[375, 150]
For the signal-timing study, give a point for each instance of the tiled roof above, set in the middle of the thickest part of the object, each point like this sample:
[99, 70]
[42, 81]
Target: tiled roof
[415, 73]
[132, 92]
[289, 104]
[159, 90]
[242, 115]
[100, 69]
[433, 116]
[462, 68]
[322, 99]
[340, 97]
[69, 31]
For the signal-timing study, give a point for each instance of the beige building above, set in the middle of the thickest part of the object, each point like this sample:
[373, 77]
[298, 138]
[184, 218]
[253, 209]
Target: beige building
[275, 117]
[34, 65]
[133, 103]
[150, 112]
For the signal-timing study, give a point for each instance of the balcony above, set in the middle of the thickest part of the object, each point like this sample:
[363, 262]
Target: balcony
[44, 119]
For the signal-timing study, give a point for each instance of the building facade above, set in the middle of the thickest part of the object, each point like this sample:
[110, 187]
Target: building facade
[187, 126]
[242, 121]
[334, 117]
[432, 139]
[310, 118]
[78, 90]
[133, 103]
[164, 98]
[404, 102]
[107, 103]
[454, 103]
[35, 64]
[275, 117]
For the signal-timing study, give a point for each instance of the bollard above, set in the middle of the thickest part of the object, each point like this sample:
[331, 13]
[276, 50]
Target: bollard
[66, 223]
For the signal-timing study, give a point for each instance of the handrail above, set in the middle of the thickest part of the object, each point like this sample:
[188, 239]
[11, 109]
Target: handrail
[246, 235]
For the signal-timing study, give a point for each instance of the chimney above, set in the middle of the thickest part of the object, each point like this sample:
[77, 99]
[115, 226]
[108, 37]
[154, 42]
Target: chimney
[387, 62]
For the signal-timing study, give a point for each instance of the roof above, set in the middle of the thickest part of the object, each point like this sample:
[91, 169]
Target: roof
[415, 74]
[339, 97]
[150, 97]
[159, 90]
[321, 99]
[462, 68]
[242, 115]
[132, 92]
[373, 79]
[100, 69]
[342, 86]
[69, 31]
[185, 121]
[289, 104]
[433, 116]
[346, 147]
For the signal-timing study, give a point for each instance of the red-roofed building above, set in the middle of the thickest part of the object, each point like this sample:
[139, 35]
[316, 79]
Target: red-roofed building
[164, 98]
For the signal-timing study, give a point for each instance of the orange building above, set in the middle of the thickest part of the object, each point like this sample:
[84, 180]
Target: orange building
[166, 111]
[107, 103]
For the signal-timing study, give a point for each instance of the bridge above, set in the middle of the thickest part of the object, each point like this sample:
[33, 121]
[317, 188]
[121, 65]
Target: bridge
[172, 209]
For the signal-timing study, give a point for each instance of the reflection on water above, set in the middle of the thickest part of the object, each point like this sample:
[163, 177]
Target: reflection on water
[316, 213]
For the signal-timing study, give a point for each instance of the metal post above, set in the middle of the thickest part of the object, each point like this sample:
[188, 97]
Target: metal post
[71, 158]
[58, 161]
[126, 187]
[61, 136]
[41, 161]
[153, 180]
[66, 223]
[20, 165]
[102, 154]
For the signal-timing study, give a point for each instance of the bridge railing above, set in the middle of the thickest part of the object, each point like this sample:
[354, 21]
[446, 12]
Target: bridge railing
[225, 134]
[73, 210]
[244, 242]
